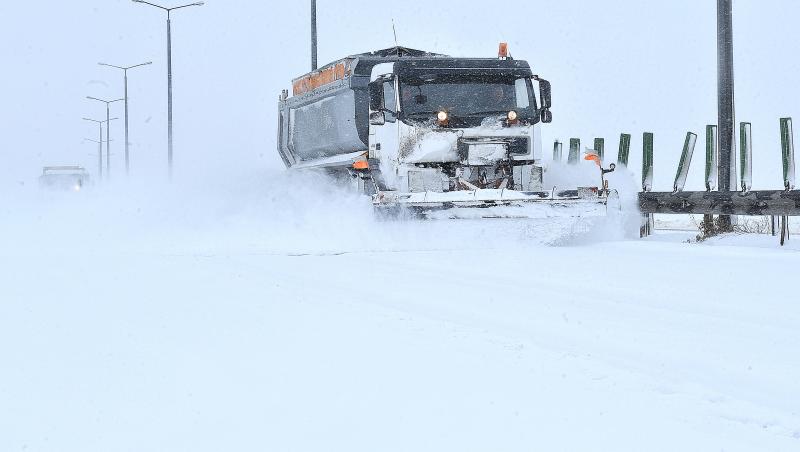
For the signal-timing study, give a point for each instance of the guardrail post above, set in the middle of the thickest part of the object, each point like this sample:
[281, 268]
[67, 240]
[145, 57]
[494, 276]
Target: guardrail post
[685, 163]
[784, 229]
[746, 155]
[557, 151]
[647, 181]
[647, 162]
[712, 158]
[712, 167]
[600, 147]
[574, 151]
[787, 146]
[624, 149]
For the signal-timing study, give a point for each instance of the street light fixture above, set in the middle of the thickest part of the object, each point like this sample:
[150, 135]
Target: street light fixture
[169, 72]
[127, 141]
[100, 149]
[108, 130]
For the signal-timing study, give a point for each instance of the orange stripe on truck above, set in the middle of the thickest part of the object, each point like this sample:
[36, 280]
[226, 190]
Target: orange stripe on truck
[325, 76]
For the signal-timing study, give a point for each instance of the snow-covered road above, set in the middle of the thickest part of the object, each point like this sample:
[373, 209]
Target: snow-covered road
[295, 332]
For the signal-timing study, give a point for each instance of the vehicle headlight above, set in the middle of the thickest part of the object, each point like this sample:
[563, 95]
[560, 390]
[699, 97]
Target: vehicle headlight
[513, 116]
[442, 116]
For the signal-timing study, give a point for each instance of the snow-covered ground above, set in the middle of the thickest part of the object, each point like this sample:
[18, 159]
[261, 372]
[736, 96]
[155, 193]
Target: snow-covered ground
[210, 318]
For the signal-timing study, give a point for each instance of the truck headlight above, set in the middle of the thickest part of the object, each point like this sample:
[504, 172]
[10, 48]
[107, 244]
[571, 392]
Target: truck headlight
[442, 116]
[512, 116]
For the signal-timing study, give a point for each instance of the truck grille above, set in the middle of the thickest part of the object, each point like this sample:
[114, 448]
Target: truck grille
[518, 146]
[515, 145]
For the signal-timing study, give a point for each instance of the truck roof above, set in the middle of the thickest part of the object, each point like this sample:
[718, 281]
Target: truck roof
[398, 52]
[63, 170]
[487, 65]
[362, 64]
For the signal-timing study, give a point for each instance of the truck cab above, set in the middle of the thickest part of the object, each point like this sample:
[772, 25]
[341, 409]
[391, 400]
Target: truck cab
[445, 124]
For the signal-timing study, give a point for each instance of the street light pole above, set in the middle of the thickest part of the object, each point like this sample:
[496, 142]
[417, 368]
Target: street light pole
[108, 131]
[127, 140]
[170, 130]
[100, 145]
[725, 99]
[108, 140]
[169, 74]
[313, 35]
[99, 152]
[99, 149]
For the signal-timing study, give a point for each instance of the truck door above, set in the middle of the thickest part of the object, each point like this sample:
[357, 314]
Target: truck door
[383, 128]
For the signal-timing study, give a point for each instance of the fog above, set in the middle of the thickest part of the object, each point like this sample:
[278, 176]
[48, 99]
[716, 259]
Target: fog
[244, 307]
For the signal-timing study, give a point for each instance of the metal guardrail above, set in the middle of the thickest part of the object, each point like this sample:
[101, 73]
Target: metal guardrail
[780, 204]
[776, 203]
[765, 202]
[784, 202]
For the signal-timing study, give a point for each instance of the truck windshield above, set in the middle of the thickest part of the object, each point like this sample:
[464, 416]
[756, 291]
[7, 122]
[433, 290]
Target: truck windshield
[464, 96]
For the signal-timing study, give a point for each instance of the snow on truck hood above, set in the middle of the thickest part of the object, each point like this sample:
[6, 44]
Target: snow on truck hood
[433, 144]
[430, 145]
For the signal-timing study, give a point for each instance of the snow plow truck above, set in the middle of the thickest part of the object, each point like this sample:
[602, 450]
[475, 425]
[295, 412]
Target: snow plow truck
[429, 134]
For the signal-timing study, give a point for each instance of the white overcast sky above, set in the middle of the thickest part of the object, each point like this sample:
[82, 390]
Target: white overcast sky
[616, 66]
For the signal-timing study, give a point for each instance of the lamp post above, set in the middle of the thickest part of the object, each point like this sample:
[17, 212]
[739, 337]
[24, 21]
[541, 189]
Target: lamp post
[313, 35]
[127, 141]
[99, 153]
[100, 145]
[169, 73]
[726, 106]
[108, 131]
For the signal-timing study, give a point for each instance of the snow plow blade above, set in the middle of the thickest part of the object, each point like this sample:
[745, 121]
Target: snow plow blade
[486, 203]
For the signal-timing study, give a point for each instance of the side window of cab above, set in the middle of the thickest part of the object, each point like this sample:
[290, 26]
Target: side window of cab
[522, 88]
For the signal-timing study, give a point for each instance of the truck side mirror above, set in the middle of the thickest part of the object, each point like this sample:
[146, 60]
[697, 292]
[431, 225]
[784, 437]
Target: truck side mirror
[545, 94]
[376, 96]
[377, 118]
